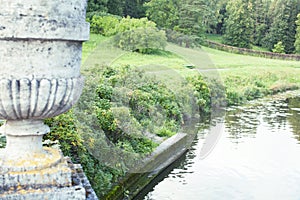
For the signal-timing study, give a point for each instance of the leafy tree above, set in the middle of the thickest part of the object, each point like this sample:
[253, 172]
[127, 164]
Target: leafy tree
[97, 6]
[283, 27]
[163, 12]
[239, 23]
[132, 8]
[297, 42]
[221, 13]
[211, 15]
[191, 18]
[135, 8]
[261, 20]
[116, 7]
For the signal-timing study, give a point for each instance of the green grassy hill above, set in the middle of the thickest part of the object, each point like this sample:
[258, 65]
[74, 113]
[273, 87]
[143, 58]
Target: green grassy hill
[241, 75]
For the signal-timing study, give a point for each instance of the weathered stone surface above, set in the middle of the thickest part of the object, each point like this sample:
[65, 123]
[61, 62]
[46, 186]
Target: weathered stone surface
[75, 187]
[78, 188]
[39, 59]
[79, 175]
[52, 20]
[25, 160]
[58, 176]
[73, 193]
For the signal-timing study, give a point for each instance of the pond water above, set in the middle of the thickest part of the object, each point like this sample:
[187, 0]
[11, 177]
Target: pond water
[256, 157]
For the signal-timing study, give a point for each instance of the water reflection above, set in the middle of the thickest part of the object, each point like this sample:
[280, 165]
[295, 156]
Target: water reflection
[294, 116]
[257, 157]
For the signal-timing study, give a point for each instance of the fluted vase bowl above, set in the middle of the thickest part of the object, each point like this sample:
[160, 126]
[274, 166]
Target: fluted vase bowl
[37, 99]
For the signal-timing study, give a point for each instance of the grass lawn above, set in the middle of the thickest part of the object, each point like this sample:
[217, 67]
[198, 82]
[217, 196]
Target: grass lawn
[223, 59]
[89, 46]
[238, 72]
[214, 37]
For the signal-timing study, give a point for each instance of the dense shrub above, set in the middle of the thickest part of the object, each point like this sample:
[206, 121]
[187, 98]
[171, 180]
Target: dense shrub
[278, 48]
[128, 24]
[109, 25]
[139, 35]
[202, 93]
[139, 101]
[142, 40]
[104, 25]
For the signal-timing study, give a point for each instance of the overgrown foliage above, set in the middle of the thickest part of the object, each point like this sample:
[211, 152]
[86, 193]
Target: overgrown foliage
[241, 87]
[147, 104]
[66, 130]
[109, 25]
[104, 25]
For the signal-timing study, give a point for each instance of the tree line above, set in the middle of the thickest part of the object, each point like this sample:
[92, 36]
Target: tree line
[272, 24]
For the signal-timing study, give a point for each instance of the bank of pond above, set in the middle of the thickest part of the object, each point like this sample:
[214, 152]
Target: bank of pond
[125, 113]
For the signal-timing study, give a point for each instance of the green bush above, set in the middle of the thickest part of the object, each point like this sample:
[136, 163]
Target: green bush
[202, 93]
[109, 25]
[128, 24]
[104, 25]
[143, 40]
[278, 48]
[132, 34]
[141, 146]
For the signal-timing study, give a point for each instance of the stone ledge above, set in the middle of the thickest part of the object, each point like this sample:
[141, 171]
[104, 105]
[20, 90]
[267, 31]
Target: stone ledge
[49, 30]
[78, 187]
[58, 176]
[74, 193]
[79, 175]
[165, 154]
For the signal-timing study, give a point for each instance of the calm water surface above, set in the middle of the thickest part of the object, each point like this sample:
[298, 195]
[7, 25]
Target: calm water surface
[257, 157]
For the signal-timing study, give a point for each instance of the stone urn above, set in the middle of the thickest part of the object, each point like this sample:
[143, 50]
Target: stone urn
[40, 58]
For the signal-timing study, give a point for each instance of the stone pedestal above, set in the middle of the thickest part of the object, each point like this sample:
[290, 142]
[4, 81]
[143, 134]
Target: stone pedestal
[40, 55]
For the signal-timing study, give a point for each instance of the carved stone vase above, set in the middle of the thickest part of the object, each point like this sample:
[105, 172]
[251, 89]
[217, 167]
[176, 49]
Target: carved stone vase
[40, 58]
